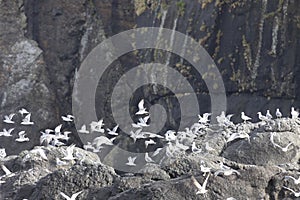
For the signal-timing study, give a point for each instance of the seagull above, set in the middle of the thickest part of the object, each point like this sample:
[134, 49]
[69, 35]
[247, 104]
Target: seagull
[57, 129]
[99, 141]
[46, 137]
[142, 109]
[294, 113]
[268, 115]
[148, 159]
[278, 113]
[8, 118]
[296, 181]
[296, 194]
[156, 152]
[170, 135]
[195, 149]
[73, 197]
[97, 126]
[284, 149]
[26, 120]
[7, 133]
[147, 142]
[142, 122]
[201, 188]
[235, 136]
[226, 172]
[55, 142]
[113, 131]
[131, 161]
[245, 117]
[40, 152]
[23, 111]
[137, 135]
[83, 130]
[22, 137]
[68, 118]
[261, 117]
[204, 119]
[88, 146]
[2, 153]
[69, 153]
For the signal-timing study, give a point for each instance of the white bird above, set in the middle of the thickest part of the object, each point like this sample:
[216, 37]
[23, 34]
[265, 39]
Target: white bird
[262, 117]
[68, 153]
[142, 122]
[6, 171]
[137, 135]
[296, 194]
[89, 146]
[131, 161]
[278, 113]
[22, 137]
[195, 149]
[294, 113]
[7, 133]
[151, 135]
[83, 130]
[113, 131]
[57, 129]
[40, 152]
[204, 119]
[226, 172]
[296, 181]
[147, 142]
[235, 136]
[23, 111]
[8, 119]
[26, 120]
[97, 126]
[284, 149]
[268, 115]
[245, 117]
[55, 142]
[2, 153]
[46, 137]
[101, 140]
[170, 135]
[148, 159]
[201, 188]
[156, 152]
[68, 118]
[142, 109]
[73, 197]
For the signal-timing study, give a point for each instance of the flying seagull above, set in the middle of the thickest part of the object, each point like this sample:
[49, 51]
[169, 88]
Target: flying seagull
[131, 161]
[23, 111]
[8, 118]
[113, 131]
[68, 118]
[22, 137]
[73, 197]
[83, 130]
[7, 133]
[69, 153]
[26, 120]
[142, 109]
[201, 188]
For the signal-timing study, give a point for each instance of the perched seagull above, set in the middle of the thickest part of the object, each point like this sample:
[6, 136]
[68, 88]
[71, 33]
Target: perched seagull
[278, 113]
[201, 188]
[83, 130]
[296, 194]
[40, 152]
[142, 122]
[7, 133]
[204, 119]
[296, 181]
[131, 161]
[26, 120]
[142, 109]
[97, 126]
[147, 142]
[2, 153]
[170, 135]
[268, 115]
[156, 152]
[101, 140]
[284, 149]
[195, 149]
[245, 117]
[8, 119]
[294, 113]
[113, 131]
[22, 137]
[261, 117]
[148, 159]
[23, 111]
[73, 197]
[68, 118]
[69, 153]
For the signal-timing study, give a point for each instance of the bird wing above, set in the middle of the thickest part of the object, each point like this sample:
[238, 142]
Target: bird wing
[4, 168]
[76, 195]
[58, 128]
[27, 118]
[196, 183]
[22, 133]
[205, 182]
[11, 116]
[116, 128]
[65, 196]
[141, 105]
